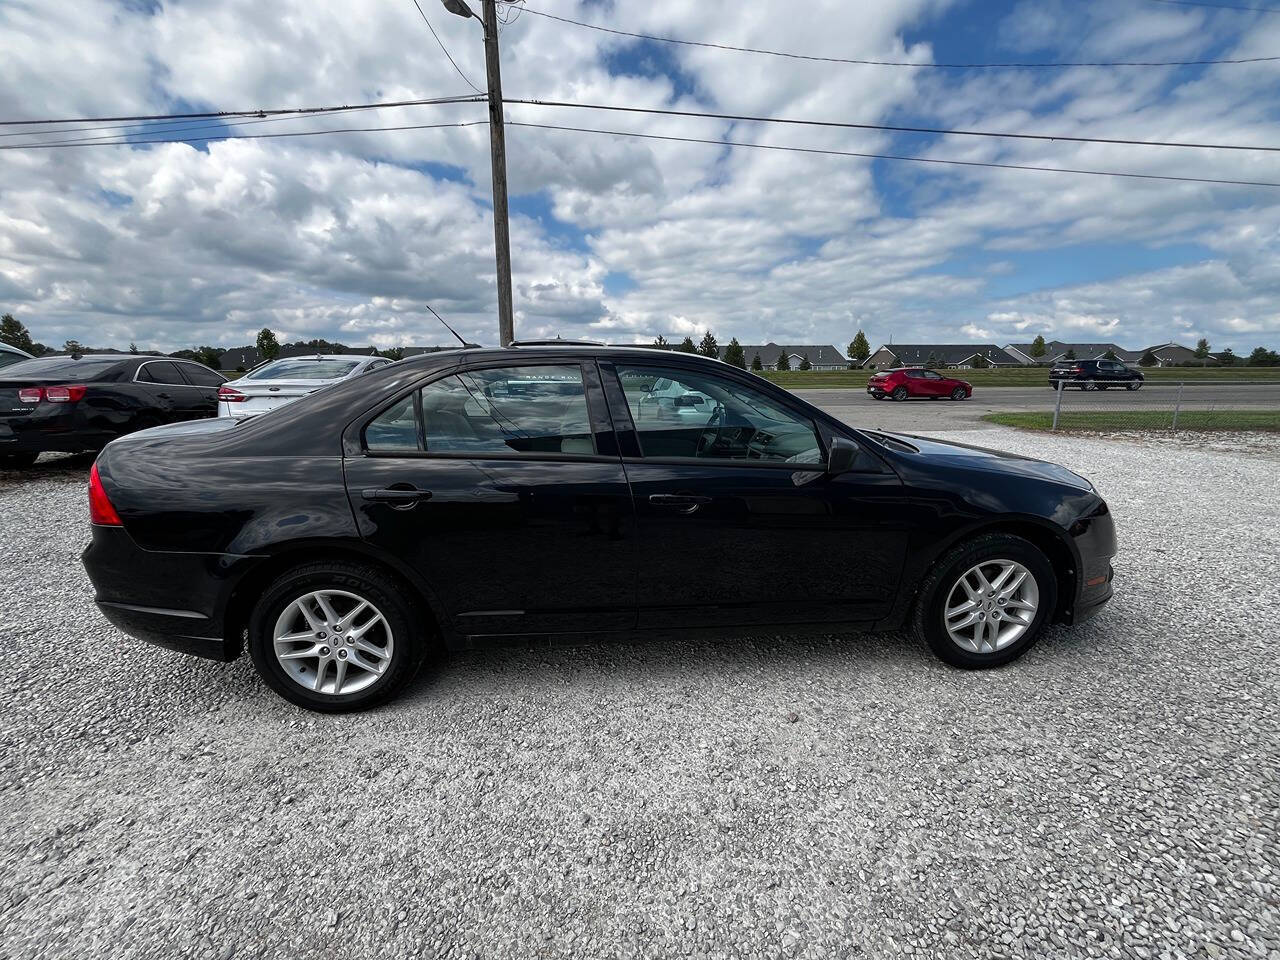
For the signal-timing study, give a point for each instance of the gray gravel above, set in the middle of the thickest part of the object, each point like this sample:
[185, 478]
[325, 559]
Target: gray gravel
[1115, 793]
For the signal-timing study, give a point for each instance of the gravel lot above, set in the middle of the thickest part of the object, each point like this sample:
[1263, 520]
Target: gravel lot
[1115, 793]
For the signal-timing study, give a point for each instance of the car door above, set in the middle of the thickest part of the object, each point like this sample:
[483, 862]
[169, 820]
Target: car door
[932, 383]
[206, 382]
[502, 486]
[172, 397]
[738, 521]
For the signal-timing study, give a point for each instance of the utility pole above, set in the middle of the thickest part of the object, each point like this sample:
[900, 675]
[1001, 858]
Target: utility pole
[497, 161]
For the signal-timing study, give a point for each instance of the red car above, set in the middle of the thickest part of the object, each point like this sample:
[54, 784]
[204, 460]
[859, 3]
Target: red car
[917, 382]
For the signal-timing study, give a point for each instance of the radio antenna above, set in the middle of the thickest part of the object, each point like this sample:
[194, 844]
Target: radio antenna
[446, 325]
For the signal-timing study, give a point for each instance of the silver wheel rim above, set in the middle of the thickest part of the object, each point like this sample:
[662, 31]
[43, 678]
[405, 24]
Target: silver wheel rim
[991, 606]
[333, 642]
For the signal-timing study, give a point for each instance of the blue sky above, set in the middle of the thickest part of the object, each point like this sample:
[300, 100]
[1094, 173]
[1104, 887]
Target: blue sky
[350, 236]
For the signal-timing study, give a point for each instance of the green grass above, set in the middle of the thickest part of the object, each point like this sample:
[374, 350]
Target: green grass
[1011, 377]
[1100, 420]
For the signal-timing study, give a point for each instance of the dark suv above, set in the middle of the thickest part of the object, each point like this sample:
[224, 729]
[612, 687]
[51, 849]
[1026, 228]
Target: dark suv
[1094, 375]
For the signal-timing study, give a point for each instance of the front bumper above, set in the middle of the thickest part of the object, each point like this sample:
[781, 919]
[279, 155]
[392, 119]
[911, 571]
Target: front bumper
[1095, 539]
[172, 599]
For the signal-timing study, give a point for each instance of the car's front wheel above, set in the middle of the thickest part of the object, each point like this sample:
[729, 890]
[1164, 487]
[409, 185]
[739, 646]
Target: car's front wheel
[1133, 385]
[957, 393]
[985, 602]
[900, 393]
[335, 637]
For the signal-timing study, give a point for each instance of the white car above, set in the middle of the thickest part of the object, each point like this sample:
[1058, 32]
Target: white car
[275, 383]
[10, 355]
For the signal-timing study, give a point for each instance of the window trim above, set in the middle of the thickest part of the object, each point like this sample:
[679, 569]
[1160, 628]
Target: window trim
[640, 458]
[423, 453]
[161, 383]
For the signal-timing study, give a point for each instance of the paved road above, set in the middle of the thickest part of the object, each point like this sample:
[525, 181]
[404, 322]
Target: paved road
[861, 410]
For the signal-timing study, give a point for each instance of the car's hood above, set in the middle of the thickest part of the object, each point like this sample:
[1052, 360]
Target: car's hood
[947, 453]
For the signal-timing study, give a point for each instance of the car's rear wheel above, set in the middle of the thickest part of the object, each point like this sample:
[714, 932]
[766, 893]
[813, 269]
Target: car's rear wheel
[957, 393]
[17, 461]
[985, 602]
[335, 637]
[1133, 385]
[900, 393]
[1088, 385]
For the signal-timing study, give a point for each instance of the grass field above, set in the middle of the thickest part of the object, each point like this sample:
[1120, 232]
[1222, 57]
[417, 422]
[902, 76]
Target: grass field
[1015, 377]
[1110, 420]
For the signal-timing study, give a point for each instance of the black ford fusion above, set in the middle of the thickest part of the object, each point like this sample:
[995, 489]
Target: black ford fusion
[476, 495]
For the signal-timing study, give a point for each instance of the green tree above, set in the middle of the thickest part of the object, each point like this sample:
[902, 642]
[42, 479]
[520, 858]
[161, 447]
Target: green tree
[1227, 358]
[1202, 349]
[133, 348]
[756, 364]
[1148, 360]
[1110, 355]
[980, 362]
[393, 353]
[211, 357]
[1037, 347]
[708, 347]
[932, 361]
[1069, 355]
[72, 346]
[1262, 357]
[268, 345]
[660, 342]
[784, 363]
[15, 334]
[686, 346]
[734, 355]
[805, 364]
[859, 349]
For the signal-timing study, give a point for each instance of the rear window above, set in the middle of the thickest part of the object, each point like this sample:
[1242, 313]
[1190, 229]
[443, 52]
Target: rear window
[302, 369]
[60, 368]
[8, 359]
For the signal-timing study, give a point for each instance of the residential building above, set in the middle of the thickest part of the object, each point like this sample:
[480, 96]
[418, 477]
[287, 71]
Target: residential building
[1175, 355]
[820, 356]
[1057, 350]
[963, 356]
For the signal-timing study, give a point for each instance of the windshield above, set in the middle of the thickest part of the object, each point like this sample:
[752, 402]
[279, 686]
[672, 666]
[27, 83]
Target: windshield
[303, 369]
[58, 368]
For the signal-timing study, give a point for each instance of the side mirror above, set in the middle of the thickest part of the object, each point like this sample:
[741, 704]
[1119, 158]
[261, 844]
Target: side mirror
[843, 455]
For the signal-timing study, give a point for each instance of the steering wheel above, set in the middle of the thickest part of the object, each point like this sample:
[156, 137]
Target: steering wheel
[710, 437]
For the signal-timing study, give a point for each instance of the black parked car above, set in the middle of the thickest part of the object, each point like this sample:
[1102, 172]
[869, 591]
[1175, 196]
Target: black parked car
[470, 496]
[77, 403]
[1094, 375]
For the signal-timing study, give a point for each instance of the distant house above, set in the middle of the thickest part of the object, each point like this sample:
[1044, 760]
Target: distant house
[1175, 355]
[1057, 350]
[960, 355]
[820, 356]
[241, 358]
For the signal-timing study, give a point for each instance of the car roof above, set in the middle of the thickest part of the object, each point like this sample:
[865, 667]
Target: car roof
[522, 352]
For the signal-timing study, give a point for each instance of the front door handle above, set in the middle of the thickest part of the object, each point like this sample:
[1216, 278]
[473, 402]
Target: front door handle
[680, 502]
[402, 497]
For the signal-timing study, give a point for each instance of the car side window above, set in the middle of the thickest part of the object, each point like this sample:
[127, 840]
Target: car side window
[930, 375]
[160, 371]
[522, 410]
[691, 414]
[200, 375]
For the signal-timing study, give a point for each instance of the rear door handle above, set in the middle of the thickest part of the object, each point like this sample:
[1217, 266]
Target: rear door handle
[680, 502]
[397, 496]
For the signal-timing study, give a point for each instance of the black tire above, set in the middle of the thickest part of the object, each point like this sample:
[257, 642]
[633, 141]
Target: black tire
[17, 461]
[1088, 385]
[406, 623]
[957, 394]
[900, 393]
[1133, 385]
[927, 622]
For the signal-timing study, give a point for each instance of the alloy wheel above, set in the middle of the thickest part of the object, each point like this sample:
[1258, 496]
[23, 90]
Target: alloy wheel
[957, 393]
[991, 605]
[333, 642]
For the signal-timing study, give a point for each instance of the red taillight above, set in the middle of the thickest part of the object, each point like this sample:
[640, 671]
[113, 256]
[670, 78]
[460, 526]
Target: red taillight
[30, 394]
[63, 394]
[1077, 369]
[230, 395]
[101, 512]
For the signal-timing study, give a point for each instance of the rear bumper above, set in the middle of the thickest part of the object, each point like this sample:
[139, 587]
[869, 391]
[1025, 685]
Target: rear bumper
[174, 600]
[39, 438]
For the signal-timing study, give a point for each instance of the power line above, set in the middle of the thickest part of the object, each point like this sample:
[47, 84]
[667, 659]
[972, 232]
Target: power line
[893, 63]
[166, 128]
[217, 114]
[464, 77]
[844, 125]
[1211, 6]
[884, 156]
[248, 136]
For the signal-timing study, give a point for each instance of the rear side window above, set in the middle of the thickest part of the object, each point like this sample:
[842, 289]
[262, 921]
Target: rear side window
[201, 375]
[160, 371]
[507, 410]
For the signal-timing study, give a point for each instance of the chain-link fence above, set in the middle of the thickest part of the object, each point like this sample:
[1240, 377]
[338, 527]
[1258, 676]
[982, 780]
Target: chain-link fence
[1171, 405]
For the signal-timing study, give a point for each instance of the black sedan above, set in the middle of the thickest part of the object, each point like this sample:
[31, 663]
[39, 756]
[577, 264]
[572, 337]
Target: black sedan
[75, 403]
[472, 496]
